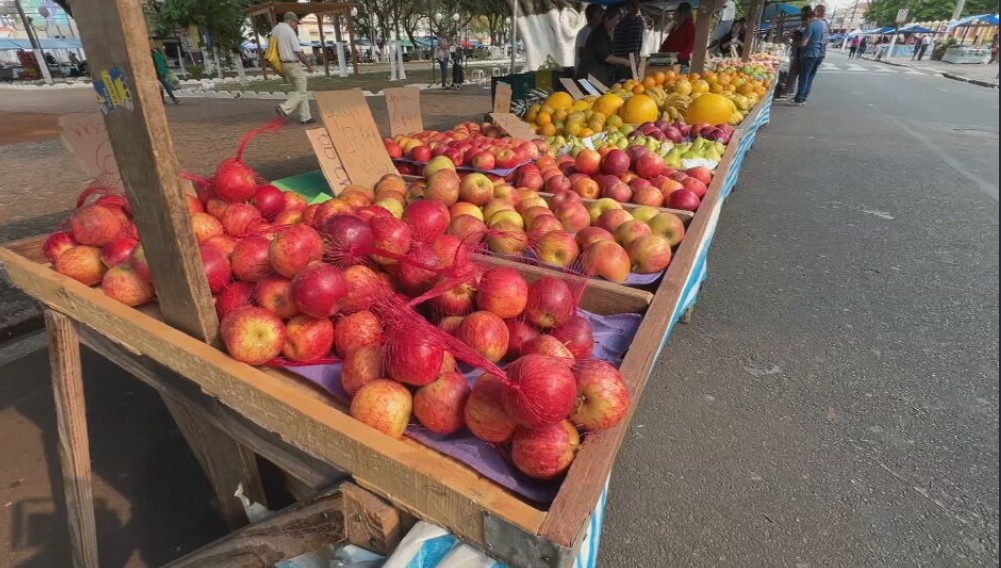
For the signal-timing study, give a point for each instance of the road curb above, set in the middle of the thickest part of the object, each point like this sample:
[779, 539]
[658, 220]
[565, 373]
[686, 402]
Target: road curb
[947, 75]
[980, 82]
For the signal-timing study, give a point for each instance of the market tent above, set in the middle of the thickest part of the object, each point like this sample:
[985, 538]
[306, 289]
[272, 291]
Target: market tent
[916, 29]
[980, 20]
[776, 10]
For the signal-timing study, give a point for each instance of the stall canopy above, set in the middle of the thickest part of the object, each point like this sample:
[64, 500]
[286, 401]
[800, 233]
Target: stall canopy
[775, 10]
[916, 29]
[981, 20]
[46, 43]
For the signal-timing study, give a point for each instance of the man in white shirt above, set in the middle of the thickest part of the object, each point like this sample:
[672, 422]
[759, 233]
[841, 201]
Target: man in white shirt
[295, 66]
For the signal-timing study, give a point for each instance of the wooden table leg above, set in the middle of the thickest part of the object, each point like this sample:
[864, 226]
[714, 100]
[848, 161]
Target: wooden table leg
[74, 445]
[226, 462]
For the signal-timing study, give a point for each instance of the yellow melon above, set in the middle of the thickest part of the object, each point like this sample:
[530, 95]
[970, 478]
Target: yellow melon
[710, 108]
[639, 109]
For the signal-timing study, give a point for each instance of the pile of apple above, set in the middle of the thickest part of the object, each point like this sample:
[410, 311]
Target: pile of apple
[468, 145]
[396, 298]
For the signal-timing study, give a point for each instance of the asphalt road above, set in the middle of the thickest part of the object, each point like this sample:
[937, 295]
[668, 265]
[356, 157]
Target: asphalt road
[835, 400]
[833, 403]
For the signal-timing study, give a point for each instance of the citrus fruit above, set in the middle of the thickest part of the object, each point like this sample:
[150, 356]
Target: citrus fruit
[607, 104]
[710, 109]
[639, 109]
[559, 100]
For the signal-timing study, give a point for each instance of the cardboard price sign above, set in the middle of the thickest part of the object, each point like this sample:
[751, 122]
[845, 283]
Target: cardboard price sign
[354, 135]
[602, 88]
[591, 90]
[86, 136]
[330, 162]
[404, 106]
[513, 125]
[571, 88]
[502, 97]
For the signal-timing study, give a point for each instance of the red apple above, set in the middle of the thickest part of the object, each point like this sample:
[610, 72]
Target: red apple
[420, 154]
[466, 208]
[683, 199]
[615, 162]
[649, 196]
[485, 414]
[502, 291]
[588, 162]
[547, 452]
[476, 188]
[440, 405]
[602, 395]
[122, 283]
[361, 366]
[443, 186]
[356, 330]
[307, 338]
[695, 186]
[592, 235]
[348, 240]
[649, 166]
[486, 333]
[427, 219]
[82, 263]
[237, 217]
[586, 188]
[507, 238]
[611, 219]
[577, 335]
[558, 183]
[233, 297]
[137, 260]
[365, 287]
[468, 229]
[225, 244]
[217, 268]
[294, 201]
[702, 174]
[413, 359]
[253, 335]
[483, 160]
[205, 226]
[457, 301]
[534, 212]
[557, 248]
[269, 201]
[96, 225]
[274, 293]
[318, 290]
[506, 159]
[574, 216]
[390, 235]
[630, 231]
[650, 254]
[294, 248]
[384, 405]
[543, 225]
[58, 243]
[251, 259]
[606, 259]
[618, 191]
[550, 302]
[549, 346]
[520, 333]
[118, 250]
[392, 148]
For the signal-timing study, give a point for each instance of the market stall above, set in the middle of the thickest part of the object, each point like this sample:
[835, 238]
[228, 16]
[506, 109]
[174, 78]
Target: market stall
[156, 303]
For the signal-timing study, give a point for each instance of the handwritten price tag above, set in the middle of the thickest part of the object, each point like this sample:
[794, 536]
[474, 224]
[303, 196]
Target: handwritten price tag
[602, 88]
[404, 106]
[354, 135]
[502, 97]
[330, 162]
[514, 126]
[571, 88]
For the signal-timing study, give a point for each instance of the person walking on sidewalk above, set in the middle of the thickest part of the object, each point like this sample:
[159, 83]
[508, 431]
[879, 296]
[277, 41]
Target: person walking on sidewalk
[922, 46]
[853, 47]
[295, 65]
[796, 51]
[160, 65]
[814, 46]
[861, 48]
[442, 55]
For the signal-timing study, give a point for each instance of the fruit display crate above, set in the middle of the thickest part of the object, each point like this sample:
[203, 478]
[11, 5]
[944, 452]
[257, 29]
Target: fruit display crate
[298, 420]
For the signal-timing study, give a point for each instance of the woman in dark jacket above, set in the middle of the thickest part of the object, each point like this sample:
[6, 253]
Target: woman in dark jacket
[596, 57]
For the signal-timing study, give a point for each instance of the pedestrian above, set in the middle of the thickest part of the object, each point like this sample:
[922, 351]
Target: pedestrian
[598, 57]
[814, 44]
[923, 47]
[853, 47]
[160, 66]
[627, 38]
[593, 16]
[295, 65]
[442, 55]
[681, 38]
[796, 51]
[861, 47]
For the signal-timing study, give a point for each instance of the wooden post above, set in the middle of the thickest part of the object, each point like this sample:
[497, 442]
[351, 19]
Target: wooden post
[323, 45]
[751, 35]
[74, 445]
[702, 30]
[351, 38]
[115, 37]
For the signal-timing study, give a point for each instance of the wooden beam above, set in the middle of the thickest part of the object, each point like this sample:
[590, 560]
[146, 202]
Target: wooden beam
[312, 472]
[351, 38]
[293, 531]
[703, 29]
[751, 35]
[591, 468]
[74, 445]
[370, 522]
[115, 36]
[226, 463]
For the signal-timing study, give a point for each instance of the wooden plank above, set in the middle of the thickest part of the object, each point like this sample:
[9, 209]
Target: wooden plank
[590, 470]
[437, 488]
[370, 522]
[116, 39]
[703, 26]
[295, 530]
[600, 297]
[314, 473]
[74, 445]
[751, 35]
[226, 463]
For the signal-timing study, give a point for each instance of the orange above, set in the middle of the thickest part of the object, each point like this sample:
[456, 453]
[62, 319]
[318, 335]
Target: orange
[659, 77]
[547, 130]
[649, 82]
[544, 118]
[693, 77]
[638, 89]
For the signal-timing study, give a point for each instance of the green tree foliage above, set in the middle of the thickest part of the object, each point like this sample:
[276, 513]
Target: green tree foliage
[222, 19]
[884, 12]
